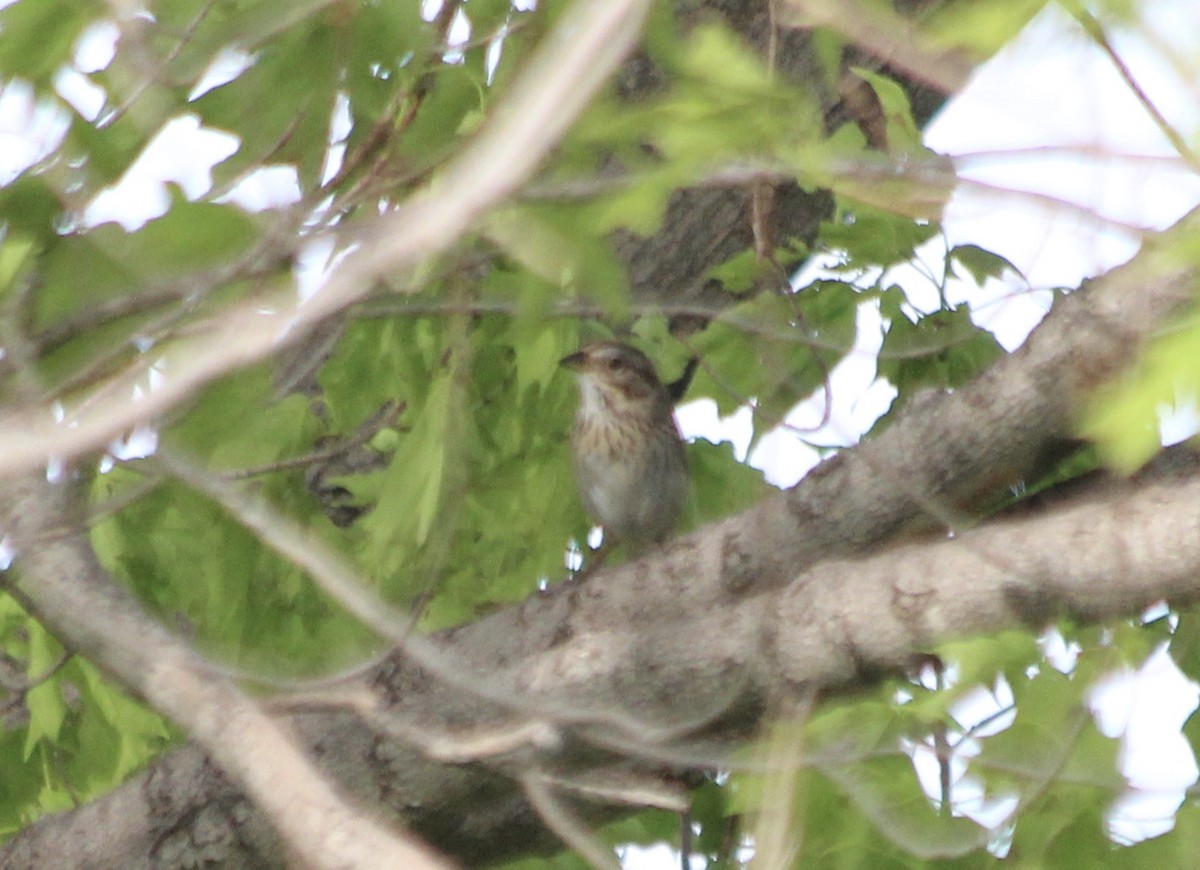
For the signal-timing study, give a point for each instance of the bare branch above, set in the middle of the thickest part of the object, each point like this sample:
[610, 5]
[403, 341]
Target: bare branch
[623, 787]
[453, 747]
[566, 824]
[1095, 30]
[372, 426]
[16, 686]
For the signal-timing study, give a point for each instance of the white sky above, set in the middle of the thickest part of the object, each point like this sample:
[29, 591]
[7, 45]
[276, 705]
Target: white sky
[1050, 88]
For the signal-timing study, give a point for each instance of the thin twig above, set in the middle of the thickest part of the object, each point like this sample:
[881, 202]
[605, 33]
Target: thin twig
[18, 690]
[391, 124]
[685, 840]
[1095, 30]
[147, 78]
[623, 787]
[101, 511]
[943, 751]
[569, 828]
[376, 423]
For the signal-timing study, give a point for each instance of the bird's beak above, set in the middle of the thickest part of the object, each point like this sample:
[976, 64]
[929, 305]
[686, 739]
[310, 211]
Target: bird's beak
[574, 361]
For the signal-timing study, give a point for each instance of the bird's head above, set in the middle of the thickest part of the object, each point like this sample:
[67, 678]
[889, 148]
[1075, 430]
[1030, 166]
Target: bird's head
[614, 375]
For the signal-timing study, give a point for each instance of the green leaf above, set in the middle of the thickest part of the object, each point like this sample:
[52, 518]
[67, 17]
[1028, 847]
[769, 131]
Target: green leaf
[977, 662]
[191, 236]
[85, 271]
[215, 427]
[1123, 417]
[40, 37]
[1174, 849]
[16, 254]
[29, 205]
[721, 485]
[875, 801]
[939, 350]
[742, 272]
[638, 207]
[410, 489]
[125, 734]
[252, 23]
[47, 709]
[1052, 740]
[561, 245]
[281, 106]
[776, 350]
[455, 96]
[886, 791]
[714, 54]
[870, 236]
[110, 150]
[375, 361]
[982, 27]
[386, 39]
[979, 263]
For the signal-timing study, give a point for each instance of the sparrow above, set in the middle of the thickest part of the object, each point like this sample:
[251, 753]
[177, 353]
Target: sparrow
[629, 458]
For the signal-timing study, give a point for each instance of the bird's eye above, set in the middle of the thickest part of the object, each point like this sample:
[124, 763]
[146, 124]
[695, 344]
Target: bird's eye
[616, 364]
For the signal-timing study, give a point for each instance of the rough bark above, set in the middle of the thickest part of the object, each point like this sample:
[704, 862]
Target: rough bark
[705, 226]
[795, 593]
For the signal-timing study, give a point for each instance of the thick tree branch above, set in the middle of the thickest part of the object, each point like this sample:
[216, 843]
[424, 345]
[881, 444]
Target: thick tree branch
[1111, 550]
[59, 578]
[792, 593]
[988, 436]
